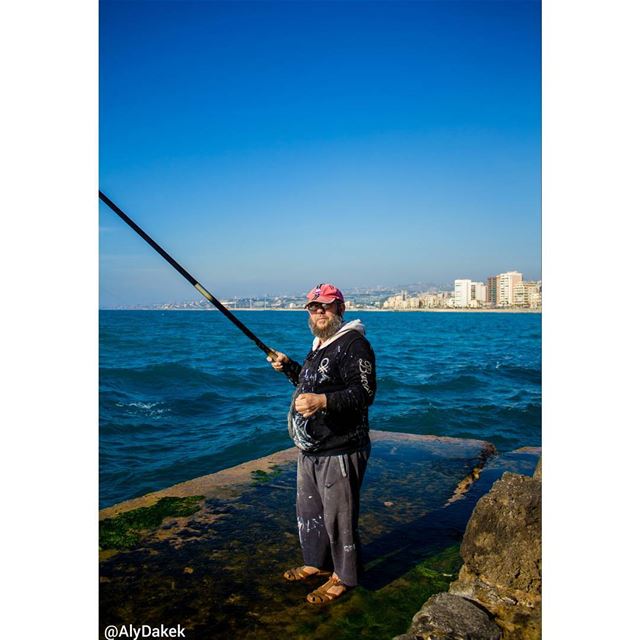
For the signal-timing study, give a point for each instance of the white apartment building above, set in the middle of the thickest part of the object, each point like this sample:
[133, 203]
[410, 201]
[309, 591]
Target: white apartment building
[505, 287]
[535, 295]
[527, 294]
[462, 293]
[479, 292]
[469, 294]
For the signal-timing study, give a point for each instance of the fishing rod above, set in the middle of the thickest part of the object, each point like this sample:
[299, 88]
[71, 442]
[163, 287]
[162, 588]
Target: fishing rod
[286, 368]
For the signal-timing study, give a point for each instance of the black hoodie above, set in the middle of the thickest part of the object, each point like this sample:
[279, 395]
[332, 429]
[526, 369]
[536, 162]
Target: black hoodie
[343, 368]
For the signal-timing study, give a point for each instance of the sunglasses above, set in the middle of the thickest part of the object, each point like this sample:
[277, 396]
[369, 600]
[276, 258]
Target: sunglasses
[314, 307]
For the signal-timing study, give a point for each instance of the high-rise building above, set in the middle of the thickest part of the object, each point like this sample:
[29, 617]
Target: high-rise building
[505, 284]
[462, 293]
[479, 292]
[492, 289]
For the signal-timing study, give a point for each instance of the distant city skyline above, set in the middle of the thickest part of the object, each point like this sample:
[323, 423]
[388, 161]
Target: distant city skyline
[514, 291]
[269, 146]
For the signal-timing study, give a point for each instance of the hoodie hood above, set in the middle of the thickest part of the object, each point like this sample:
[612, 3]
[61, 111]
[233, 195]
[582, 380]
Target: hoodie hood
[352, 325]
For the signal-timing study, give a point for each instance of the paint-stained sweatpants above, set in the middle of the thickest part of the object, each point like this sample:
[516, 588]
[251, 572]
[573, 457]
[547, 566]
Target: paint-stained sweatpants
[327, 507]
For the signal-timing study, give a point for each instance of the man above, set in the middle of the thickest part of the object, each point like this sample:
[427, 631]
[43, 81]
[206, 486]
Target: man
[328, 422]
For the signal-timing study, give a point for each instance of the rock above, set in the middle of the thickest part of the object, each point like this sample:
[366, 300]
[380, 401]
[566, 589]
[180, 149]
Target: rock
[449, 617]
[537, 474]
[502, 540]
[501, 550]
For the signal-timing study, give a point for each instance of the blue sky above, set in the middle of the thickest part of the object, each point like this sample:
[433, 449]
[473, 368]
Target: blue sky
[271, 146]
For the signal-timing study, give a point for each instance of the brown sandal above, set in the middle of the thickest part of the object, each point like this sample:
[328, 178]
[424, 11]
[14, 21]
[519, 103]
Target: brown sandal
[322, 595]
[298, 573]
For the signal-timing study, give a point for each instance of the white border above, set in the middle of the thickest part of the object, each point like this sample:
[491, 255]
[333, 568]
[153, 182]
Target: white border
[49, 334]
[49, 338]
[590, 195]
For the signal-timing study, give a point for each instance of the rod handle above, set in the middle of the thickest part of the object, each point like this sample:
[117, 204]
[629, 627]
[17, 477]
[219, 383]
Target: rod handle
[287, 367]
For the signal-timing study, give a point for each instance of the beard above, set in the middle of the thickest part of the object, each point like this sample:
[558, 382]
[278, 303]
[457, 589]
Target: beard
[326, 332]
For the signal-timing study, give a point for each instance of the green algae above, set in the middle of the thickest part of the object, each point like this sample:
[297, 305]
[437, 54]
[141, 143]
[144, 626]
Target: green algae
[386, 612]
[220, 573]
[123, 531]
[259, 476]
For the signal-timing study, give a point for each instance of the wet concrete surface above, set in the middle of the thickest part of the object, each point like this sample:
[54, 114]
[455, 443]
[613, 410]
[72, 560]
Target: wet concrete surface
[218, 572]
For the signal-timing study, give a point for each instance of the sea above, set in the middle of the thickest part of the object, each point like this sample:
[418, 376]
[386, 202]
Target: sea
[185, 393]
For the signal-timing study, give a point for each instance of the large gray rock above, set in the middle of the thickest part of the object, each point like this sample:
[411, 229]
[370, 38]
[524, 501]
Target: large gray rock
[501, 550]
[448, 617]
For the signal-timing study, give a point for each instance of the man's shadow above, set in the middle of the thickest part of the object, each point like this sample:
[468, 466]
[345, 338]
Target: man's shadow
[393, 554]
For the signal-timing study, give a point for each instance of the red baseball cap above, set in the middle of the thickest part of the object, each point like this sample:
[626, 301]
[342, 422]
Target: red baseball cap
[324, 293]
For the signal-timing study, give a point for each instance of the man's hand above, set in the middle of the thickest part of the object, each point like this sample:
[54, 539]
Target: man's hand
[308, 403]
[279, 361]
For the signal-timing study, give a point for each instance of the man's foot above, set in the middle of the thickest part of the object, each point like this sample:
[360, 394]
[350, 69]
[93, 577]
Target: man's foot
[329, 591]
[303, 573]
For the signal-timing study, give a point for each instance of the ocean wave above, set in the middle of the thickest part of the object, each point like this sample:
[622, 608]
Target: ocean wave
[139, 405]
[112, 428]
[520, 372]
[171, 408]
[149, 409]
[436, 382]
[156, 377]
[206, 404]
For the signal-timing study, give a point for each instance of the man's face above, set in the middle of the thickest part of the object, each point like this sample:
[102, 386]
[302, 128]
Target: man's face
[324, 319]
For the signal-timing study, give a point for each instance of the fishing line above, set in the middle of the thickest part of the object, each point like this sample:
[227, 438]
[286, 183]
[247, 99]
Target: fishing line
[286, 369]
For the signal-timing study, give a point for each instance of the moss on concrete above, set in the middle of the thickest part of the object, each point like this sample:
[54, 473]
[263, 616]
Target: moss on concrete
[258, 476]
[239, 545]
[386, 612]
[123, 531]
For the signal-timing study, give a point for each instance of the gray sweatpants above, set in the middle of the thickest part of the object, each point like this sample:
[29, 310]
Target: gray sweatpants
[327, 506]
